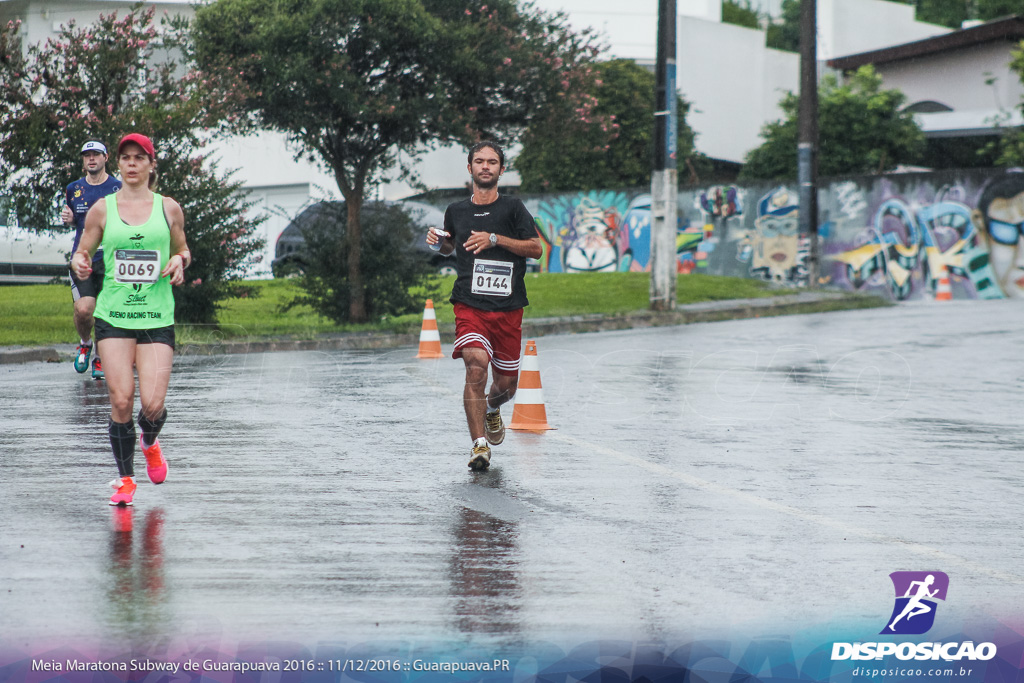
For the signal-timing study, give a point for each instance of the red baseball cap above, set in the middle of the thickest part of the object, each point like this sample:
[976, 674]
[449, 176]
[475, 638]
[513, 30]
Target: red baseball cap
[141, 140]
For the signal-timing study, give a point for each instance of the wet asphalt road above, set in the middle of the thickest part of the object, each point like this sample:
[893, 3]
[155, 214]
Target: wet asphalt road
[753, 476]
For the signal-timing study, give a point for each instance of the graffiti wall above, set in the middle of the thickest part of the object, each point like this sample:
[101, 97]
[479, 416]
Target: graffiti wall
[933, 235]
[611, 231]
[945, 235]
[937, 236]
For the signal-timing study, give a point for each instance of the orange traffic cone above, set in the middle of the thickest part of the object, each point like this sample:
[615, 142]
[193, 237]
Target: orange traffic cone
[529, 414]
[430, 338]
[943, 291]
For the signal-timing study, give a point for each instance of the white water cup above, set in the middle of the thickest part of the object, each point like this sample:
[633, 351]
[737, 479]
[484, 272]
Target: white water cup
[441, 234]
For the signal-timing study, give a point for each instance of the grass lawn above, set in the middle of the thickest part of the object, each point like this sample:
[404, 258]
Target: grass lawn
[41, 314]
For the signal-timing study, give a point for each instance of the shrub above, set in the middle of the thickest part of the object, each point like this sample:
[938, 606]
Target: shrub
[391, 264]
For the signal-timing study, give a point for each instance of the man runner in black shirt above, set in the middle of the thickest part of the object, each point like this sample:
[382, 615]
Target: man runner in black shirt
[492, 236]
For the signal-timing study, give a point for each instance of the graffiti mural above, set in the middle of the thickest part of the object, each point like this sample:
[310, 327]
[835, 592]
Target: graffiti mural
[634, 237]
[773, 248]
[999, 217]
[697, 242]
[955, 234]
[932, 244]
[581, 232]
[601, 232]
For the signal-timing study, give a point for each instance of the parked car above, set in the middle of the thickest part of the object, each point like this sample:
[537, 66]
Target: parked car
[290, 251]
[31, 256]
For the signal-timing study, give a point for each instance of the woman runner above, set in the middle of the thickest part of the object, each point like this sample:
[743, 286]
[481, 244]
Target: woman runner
[144, 253]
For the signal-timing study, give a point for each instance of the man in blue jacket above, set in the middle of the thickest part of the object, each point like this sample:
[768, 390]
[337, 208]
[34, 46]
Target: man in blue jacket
[79, 198]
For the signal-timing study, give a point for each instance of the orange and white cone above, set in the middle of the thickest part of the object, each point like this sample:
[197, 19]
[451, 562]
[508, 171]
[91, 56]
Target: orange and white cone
[943, 290]
[529, 414]
[430, 338]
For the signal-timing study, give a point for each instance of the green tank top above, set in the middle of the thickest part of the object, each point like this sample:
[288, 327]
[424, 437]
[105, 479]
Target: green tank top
[134, 296]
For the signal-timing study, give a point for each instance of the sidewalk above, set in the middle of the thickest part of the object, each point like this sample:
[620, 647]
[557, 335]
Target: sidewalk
[707, 311]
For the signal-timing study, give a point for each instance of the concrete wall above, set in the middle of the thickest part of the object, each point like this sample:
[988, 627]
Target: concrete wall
[916, 236]
[848, 27]
[735, 83]
[986, 89]
[929, 78]
[908, 237]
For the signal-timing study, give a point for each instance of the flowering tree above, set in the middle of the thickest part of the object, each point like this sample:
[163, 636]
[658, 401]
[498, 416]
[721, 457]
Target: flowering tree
[354, 81]
[121, 75]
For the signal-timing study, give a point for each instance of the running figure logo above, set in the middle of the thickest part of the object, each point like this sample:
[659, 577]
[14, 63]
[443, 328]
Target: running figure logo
[916, 593]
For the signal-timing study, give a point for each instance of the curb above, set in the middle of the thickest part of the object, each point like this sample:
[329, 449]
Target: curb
[706, 311]
[348, 342]
[29, 355]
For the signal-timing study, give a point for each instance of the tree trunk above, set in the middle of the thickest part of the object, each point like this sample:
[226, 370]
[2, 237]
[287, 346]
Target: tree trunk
[357, 292]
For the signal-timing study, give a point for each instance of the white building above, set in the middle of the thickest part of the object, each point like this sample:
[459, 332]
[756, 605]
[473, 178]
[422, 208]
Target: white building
[959, 83]
[735, 82]
[732, 80]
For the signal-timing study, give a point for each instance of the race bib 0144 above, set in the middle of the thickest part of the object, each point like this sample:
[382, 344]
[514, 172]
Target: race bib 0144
[492, 278]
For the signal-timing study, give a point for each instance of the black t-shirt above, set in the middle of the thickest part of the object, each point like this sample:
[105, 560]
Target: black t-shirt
[493, 279]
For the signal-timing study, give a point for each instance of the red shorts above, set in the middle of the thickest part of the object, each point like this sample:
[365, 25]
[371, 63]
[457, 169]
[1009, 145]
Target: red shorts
[500, 333]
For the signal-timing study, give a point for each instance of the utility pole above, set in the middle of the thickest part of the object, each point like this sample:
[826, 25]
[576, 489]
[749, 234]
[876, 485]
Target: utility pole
[807, 150]
[664, 180]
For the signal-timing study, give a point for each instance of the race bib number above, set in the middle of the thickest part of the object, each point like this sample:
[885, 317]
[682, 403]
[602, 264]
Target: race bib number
[136, 265]
[492, 278]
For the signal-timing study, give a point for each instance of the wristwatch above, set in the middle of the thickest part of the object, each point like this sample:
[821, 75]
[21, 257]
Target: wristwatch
[494, 240]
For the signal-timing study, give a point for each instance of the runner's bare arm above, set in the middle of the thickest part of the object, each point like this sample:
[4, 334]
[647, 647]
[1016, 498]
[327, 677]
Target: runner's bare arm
[92, 235]
[479, 241]
[181, 256]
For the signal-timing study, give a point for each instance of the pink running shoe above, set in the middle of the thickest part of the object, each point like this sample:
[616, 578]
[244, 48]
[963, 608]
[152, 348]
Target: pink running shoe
[156, 466]
[122, 518]
[124, 490]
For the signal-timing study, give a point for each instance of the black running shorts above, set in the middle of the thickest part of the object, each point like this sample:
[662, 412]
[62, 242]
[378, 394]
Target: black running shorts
[156, 335]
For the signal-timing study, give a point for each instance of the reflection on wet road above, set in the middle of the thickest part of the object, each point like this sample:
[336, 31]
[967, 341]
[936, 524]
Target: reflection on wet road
[135, 599]
[719, 476]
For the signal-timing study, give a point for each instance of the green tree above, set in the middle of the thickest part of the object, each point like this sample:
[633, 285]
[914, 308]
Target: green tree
[1009, 148]
[952, 13]
[861, 130]
[611, 147]
[354, 81]
[103, 81]
[741, 14]
[785, 33]
[392, 267]
[986, 10]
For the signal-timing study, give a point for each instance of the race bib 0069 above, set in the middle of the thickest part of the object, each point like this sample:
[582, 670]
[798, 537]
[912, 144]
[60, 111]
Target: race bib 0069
[136, 265]
[492, 278]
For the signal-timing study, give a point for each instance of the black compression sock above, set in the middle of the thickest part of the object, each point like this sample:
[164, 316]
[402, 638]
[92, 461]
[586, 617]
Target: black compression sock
[122, 441]
[151, 428]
